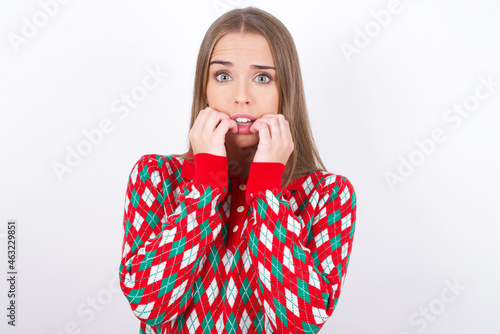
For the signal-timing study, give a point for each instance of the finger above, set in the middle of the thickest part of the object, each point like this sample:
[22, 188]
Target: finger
[273, 115]
[232, 125]
[284, 127]
[262, 128]
[274, 126]
[286, 133]
[224, 126]
[213, 119]
[200, 120]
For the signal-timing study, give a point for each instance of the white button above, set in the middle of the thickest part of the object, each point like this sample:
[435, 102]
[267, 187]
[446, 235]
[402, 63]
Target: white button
[235, 228]
[243, 186]
[240, 208]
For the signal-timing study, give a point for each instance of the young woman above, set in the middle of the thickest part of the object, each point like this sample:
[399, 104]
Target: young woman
[244, 232]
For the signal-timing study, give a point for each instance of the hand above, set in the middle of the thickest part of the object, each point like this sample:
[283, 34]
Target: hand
[209, 132]
[275, 139]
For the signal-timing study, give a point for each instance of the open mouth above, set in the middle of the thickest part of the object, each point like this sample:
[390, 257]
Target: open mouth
[243, 121]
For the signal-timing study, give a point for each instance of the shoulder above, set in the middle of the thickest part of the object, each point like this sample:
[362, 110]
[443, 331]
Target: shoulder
[323, 179]
[329, 186]
[149, 165]
[159, 160]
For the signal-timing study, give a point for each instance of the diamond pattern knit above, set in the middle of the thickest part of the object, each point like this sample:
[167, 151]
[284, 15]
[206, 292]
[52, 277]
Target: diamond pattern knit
[206, 251]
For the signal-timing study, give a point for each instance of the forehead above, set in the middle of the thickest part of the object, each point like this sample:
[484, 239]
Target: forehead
[244, 46]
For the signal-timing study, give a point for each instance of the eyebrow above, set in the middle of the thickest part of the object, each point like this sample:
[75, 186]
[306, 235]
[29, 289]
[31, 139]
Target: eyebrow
[228, 63]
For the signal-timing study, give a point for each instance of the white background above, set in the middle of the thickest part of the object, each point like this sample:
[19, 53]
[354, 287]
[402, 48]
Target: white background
[437, 226]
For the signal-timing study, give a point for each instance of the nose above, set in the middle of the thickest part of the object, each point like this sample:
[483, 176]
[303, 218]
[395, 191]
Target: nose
[242, 95]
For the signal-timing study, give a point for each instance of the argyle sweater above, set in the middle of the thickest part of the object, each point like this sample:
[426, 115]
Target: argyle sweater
[206, 251]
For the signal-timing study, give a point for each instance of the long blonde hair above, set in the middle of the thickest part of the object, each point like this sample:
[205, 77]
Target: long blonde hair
[305, 157]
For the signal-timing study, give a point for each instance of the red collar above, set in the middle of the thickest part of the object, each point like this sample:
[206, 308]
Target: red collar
[188, 172]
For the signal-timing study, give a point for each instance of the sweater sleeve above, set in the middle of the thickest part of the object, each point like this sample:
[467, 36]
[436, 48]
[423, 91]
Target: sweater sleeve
[166, 233]
[300, 280]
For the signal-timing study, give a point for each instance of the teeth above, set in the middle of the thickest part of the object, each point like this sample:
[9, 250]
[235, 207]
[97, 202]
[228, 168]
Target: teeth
[243, 120]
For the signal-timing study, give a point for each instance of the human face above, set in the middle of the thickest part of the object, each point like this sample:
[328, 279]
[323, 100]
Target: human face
[242, 79]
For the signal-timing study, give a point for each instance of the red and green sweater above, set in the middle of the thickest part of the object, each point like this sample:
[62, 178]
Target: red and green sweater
[205, 251]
